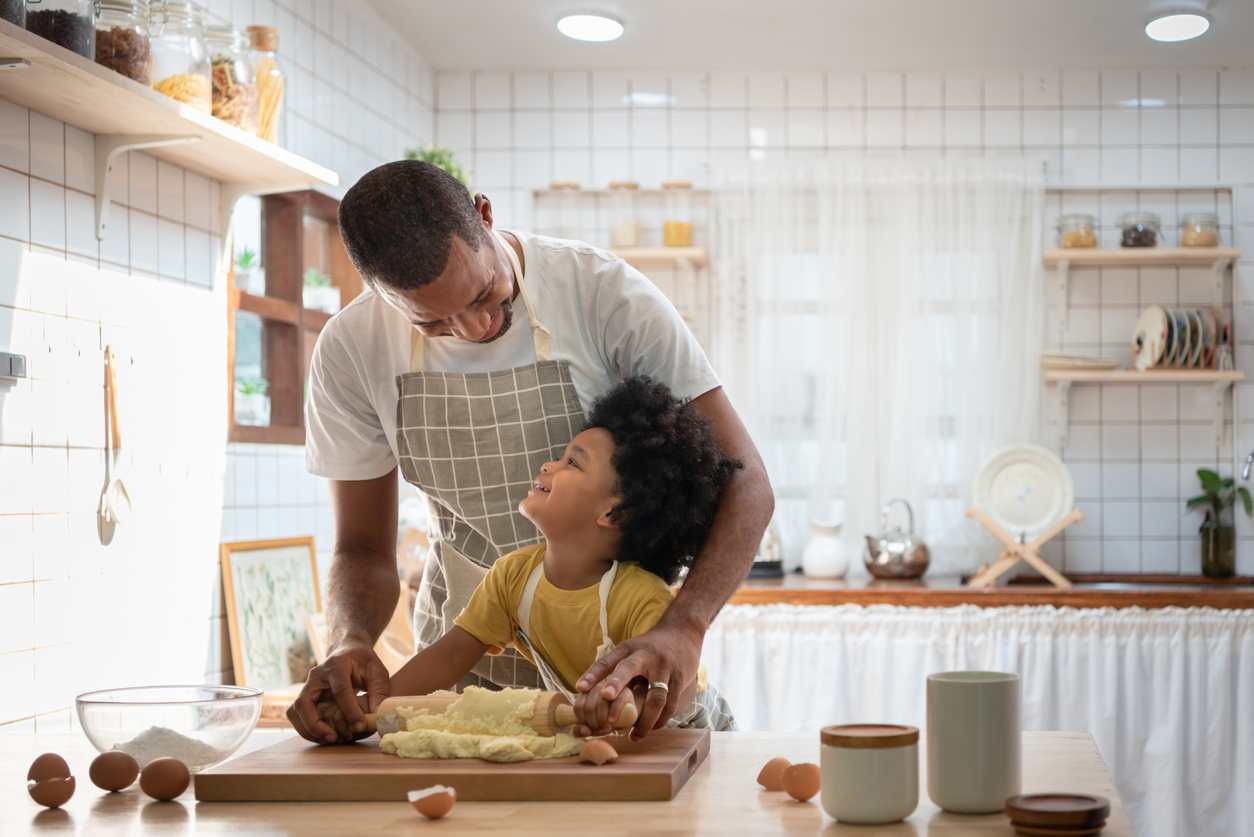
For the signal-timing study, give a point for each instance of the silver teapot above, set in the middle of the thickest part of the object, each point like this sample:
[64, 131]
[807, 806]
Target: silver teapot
[896, 554]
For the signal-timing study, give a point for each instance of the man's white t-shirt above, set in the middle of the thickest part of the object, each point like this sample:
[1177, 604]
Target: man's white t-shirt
[606, 319]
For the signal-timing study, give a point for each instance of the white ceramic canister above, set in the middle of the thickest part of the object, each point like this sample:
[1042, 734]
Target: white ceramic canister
[870, 772]
[826, 555]
[974, 743]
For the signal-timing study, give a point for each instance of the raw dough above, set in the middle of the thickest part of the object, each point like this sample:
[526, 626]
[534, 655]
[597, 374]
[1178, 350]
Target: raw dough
[483, 724]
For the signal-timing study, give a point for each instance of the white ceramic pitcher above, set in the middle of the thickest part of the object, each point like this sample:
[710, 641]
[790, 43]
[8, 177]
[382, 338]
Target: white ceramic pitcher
[826, 554]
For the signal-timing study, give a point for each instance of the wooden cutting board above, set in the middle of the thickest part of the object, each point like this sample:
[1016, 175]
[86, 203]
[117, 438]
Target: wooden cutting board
[298, 771]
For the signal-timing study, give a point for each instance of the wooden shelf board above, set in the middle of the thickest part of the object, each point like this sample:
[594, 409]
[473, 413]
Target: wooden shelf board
[1141, 256]
[1150, 376]
[69, 87]
[662, 255]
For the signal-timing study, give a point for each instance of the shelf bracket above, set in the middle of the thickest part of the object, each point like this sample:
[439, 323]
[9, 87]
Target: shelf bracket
[1220, 388]
[229, 195]
[1217, 287]
[1062, 393]
[108, 147]
[1063, 274]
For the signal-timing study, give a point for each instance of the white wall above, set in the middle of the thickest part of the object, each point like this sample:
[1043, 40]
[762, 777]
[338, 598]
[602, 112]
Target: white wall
[1134, 450]
[75, 615]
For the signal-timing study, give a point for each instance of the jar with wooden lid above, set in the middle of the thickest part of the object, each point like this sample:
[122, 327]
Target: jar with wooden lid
[270, 78]
[624, 225]
[180, 62]
[122, 39]
[869, 772]
[1077, 231]
[566, 221]
[1199, 229]
[1140, 229]
[230, 65]
[67, 23]
[677, 220]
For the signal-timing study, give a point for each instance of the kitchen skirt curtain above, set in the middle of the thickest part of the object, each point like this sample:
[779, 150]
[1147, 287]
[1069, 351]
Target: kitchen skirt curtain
[1168, 694]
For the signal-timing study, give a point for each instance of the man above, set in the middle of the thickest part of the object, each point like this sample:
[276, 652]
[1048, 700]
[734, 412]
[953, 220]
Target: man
[468, 363]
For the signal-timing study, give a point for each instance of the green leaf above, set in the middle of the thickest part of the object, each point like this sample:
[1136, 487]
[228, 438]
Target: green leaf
[1210, 480]
[442, 158]
[1246, 501]
[1228, 483]
[1195, 502]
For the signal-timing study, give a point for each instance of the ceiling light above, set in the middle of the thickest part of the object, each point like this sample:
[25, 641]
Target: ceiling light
[1177, 26]
[590, 28]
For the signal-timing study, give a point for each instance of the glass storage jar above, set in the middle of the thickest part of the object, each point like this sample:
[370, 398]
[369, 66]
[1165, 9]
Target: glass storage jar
[231, 70]
[1140, 229]
[67, 23]
[122, 39]
[180, 65]
[565, 209]
[1199, 229]
[270, 80]
[1077, 231]
[14, 11]
[677, 220]
[624, 226]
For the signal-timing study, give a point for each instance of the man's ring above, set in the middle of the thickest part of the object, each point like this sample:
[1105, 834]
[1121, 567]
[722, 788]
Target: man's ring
[658, 684]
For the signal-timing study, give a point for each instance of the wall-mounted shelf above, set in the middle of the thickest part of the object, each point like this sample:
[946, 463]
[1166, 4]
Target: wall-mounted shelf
[1220, 381]
[1219, 259]
[126, 115]
[637, 256]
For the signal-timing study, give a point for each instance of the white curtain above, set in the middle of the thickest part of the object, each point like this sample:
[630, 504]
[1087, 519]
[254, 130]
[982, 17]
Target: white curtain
[1168, 694]
[878, 327]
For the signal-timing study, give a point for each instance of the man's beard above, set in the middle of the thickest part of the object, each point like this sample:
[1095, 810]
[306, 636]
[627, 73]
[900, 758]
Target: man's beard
[507, 319]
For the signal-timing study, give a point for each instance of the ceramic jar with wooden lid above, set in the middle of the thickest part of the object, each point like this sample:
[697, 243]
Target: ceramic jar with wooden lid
[870, 772]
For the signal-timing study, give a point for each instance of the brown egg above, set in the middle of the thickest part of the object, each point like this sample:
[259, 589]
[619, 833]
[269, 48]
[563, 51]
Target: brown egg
[164, 778]
[772, 775]
[597, 751]
[802, 781]
[433, 802]
[48, 766]
[51, 793]
[114, 770]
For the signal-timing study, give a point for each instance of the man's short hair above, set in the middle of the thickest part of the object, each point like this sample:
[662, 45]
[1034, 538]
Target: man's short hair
[398, 222]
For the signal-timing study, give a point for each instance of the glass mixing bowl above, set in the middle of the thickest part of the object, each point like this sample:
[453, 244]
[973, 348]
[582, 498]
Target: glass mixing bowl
[198, 725]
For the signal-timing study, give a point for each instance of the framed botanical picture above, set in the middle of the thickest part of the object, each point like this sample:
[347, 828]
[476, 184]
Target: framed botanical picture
[271, 587]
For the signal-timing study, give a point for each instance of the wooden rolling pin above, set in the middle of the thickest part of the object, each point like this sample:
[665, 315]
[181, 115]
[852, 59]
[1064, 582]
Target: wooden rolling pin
[553, 712]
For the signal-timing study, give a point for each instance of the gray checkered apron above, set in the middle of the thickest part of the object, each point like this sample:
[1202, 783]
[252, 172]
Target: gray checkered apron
[472, 443]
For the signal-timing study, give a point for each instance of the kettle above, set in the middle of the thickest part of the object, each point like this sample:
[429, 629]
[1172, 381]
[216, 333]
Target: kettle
[896, 554]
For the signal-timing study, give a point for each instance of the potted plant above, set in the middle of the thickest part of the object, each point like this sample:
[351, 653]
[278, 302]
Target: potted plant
[252, 405]
[1218, 533]
[250, 277]
[440, 157]
[318, 294]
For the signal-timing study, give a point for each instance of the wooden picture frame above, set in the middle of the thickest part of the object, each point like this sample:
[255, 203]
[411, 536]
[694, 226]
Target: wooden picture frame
[270, 587]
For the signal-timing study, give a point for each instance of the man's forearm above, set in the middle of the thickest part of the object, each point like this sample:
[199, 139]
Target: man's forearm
[361, 594]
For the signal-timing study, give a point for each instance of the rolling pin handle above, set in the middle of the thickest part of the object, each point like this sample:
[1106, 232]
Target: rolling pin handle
[565, 716]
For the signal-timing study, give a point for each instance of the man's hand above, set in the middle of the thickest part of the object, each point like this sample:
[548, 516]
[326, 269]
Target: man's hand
[351, 667]
[670, 653]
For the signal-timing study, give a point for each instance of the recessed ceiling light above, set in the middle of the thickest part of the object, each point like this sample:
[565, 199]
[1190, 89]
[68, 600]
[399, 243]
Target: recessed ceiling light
[590, 28]
[1178, 26]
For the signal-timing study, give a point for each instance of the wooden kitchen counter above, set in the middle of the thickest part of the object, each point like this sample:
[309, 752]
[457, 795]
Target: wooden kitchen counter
[721, 798]
[948, 591]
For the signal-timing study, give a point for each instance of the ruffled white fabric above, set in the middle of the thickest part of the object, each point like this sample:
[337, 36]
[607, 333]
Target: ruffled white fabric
[1168, 694]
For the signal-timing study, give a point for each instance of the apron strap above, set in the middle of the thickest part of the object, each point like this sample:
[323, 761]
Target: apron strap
[529, 593]
[607, 581]
[539, 333]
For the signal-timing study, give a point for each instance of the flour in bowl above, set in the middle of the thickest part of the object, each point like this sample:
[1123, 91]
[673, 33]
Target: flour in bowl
[160, 742]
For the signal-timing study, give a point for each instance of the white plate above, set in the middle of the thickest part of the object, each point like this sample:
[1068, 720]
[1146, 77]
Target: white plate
[1024, 489]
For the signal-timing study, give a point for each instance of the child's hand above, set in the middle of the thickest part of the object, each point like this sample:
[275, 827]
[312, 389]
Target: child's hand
[596, 715]
[330, 712]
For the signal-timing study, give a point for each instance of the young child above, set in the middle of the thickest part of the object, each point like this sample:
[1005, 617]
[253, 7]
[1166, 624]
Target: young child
[622, 513]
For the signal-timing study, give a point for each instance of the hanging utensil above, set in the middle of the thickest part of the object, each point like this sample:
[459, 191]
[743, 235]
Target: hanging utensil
[116, 500]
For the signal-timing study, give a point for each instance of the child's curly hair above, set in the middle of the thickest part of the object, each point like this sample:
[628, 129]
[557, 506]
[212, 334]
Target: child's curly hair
[671, 474]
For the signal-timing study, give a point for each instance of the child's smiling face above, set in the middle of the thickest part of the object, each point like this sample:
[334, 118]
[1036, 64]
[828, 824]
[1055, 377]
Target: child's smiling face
[576, 493]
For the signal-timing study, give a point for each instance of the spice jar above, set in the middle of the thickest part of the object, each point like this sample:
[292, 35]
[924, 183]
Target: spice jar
[14, 11]
[234, 92]
[271, 83]
[122, 42]
[624, 228]
[869, 772]
[180, 65]
[1076, 231]
[67, 23]
[565, 209]
[1140, 229]
[677, 222]
[1199, 229]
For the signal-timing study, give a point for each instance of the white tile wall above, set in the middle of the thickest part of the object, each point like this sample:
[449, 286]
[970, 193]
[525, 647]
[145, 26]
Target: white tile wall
[1134, 450]
[73, 612]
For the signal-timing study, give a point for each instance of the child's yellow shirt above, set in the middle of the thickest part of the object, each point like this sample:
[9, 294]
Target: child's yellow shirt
[565, 624]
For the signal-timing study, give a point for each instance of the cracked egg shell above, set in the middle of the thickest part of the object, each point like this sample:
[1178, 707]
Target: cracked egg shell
[597, 751]
[433, 802]
[772, 775]
[114, 770]
[48, 766]
[802, 781]
[51, 793]
[164, 778]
